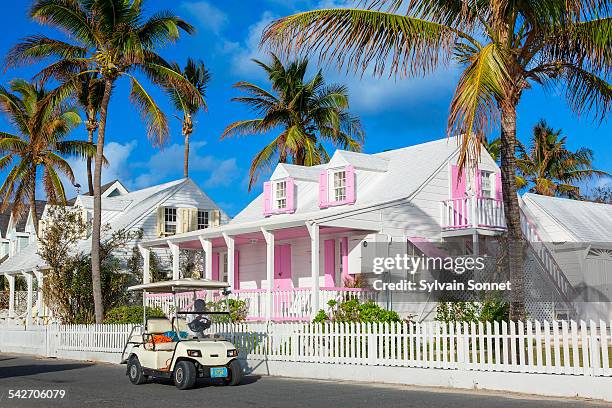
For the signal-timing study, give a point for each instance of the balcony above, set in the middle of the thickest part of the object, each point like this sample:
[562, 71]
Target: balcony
[473, 212]
[287, 304]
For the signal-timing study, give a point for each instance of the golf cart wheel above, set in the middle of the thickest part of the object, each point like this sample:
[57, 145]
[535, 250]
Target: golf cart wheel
[184, 375]
[234, 371]
[134, 371]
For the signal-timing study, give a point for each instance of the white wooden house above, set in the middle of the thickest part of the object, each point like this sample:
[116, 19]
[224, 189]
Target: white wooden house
[159, 211]
[575, 242]
[298, 243]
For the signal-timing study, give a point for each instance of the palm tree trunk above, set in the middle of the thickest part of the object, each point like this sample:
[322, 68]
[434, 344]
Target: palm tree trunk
[512, 211]
[89, 173]
[186, 161]
[97, 212]
[33, 204]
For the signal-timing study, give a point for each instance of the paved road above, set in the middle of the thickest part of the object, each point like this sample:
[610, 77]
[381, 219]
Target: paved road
[104, 385]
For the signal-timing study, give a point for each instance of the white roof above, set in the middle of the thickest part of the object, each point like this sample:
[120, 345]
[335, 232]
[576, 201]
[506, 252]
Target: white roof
[121, 211]
[381, 177]
[180, 285]
[25, 260]
[563, 219]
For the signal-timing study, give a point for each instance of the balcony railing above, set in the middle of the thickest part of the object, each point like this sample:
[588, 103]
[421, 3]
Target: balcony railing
[473, 212]
[287, 304]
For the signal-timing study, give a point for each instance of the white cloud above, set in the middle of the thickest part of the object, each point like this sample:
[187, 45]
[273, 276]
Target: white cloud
[245, 52]
[168, 164]
[209, 16]
[117, 155]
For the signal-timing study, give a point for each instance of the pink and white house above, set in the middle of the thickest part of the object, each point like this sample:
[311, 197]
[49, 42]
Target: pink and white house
[301, 241]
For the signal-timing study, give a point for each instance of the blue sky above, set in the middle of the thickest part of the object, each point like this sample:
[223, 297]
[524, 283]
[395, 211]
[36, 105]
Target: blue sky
[395, 113]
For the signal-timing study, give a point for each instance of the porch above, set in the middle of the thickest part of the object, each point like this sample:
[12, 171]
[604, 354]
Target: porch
[282, 272]
[472, 213]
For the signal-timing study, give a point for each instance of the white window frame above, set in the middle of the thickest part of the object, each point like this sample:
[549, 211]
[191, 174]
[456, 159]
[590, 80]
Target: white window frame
[170, 212]
[486, 178]
[337, 193]
[279, 191]
[205, 221]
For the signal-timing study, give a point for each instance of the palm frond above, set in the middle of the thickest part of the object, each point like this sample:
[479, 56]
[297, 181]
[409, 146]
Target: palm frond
[156, 122]
[359, 39]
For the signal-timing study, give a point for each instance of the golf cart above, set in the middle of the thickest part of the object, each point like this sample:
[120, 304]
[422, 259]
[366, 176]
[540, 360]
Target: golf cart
[179, 348]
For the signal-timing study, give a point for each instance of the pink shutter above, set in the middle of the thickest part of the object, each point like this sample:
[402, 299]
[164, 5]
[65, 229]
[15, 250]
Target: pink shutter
[350, 184]
[344, 254]
[498, 187]
[323, 203]
[330, 263]
[215, 266]
[290, 195]
[457, 184]
[267, 193]
[478, 182]
[236, 269]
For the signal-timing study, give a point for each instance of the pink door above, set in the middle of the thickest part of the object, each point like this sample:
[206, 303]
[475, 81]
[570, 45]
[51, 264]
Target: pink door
[459, 198]
[330, 263]
[282, 267]
[215, 266]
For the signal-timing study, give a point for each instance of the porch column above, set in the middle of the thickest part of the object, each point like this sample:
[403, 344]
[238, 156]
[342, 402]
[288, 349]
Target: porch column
[11, 282]
[207, 247]
[269, 237]
[39, 293]
[146, 264]
[176, 262]
[475, 244]
[313, 230]
[229, 241]
[30, 299]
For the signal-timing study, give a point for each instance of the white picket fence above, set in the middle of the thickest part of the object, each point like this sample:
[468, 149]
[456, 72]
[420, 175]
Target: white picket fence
[566, 348]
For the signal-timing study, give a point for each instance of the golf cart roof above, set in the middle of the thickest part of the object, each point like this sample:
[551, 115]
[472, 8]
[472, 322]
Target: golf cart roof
[180, 285]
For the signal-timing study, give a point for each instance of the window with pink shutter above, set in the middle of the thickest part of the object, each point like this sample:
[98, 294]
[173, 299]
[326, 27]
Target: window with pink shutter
[279, 196]
[337, 186]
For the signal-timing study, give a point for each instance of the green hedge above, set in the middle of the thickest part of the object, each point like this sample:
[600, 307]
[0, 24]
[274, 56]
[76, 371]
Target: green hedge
[130, 314]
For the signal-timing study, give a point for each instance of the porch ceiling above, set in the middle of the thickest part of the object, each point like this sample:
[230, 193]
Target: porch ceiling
[255, 237]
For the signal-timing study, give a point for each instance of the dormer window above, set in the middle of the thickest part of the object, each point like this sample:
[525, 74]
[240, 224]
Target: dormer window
[170, 220]
[337, 187]
[279, 196]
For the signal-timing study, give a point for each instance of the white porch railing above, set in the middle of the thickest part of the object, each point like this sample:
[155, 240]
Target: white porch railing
[473, 212]
[287, 304]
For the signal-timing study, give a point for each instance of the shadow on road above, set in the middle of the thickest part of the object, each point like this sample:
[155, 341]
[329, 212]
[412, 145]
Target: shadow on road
[33, 369]
[204, 383]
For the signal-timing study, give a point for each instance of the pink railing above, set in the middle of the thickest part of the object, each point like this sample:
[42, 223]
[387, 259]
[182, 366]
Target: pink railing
[472, 212]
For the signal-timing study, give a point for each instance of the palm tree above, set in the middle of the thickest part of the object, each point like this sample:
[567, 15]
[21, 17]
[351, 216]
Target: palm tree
[198, 76]
[113, 39]
[308, 113]
[39, 144]
[550, 168]
[504, 47]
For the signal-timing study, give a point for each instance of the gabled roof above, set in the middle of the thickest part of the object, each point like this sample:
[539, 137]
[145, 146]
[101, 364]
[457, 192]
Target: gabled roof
[407, 169]
[359, 161]
[5, 218]
[107, 190]
[297, 172]
[571, 220]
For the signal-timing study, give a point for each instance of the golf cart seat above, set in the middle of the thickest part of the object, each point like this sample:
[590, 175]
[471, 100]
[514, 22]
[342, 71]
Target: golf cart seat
[158, 326]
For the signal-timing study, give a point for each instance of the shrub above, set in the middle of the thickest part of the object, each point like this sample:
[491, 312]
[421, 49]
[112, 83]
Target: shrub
[130, 314]
[490, 310]
[354, 311]
[238, 310]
